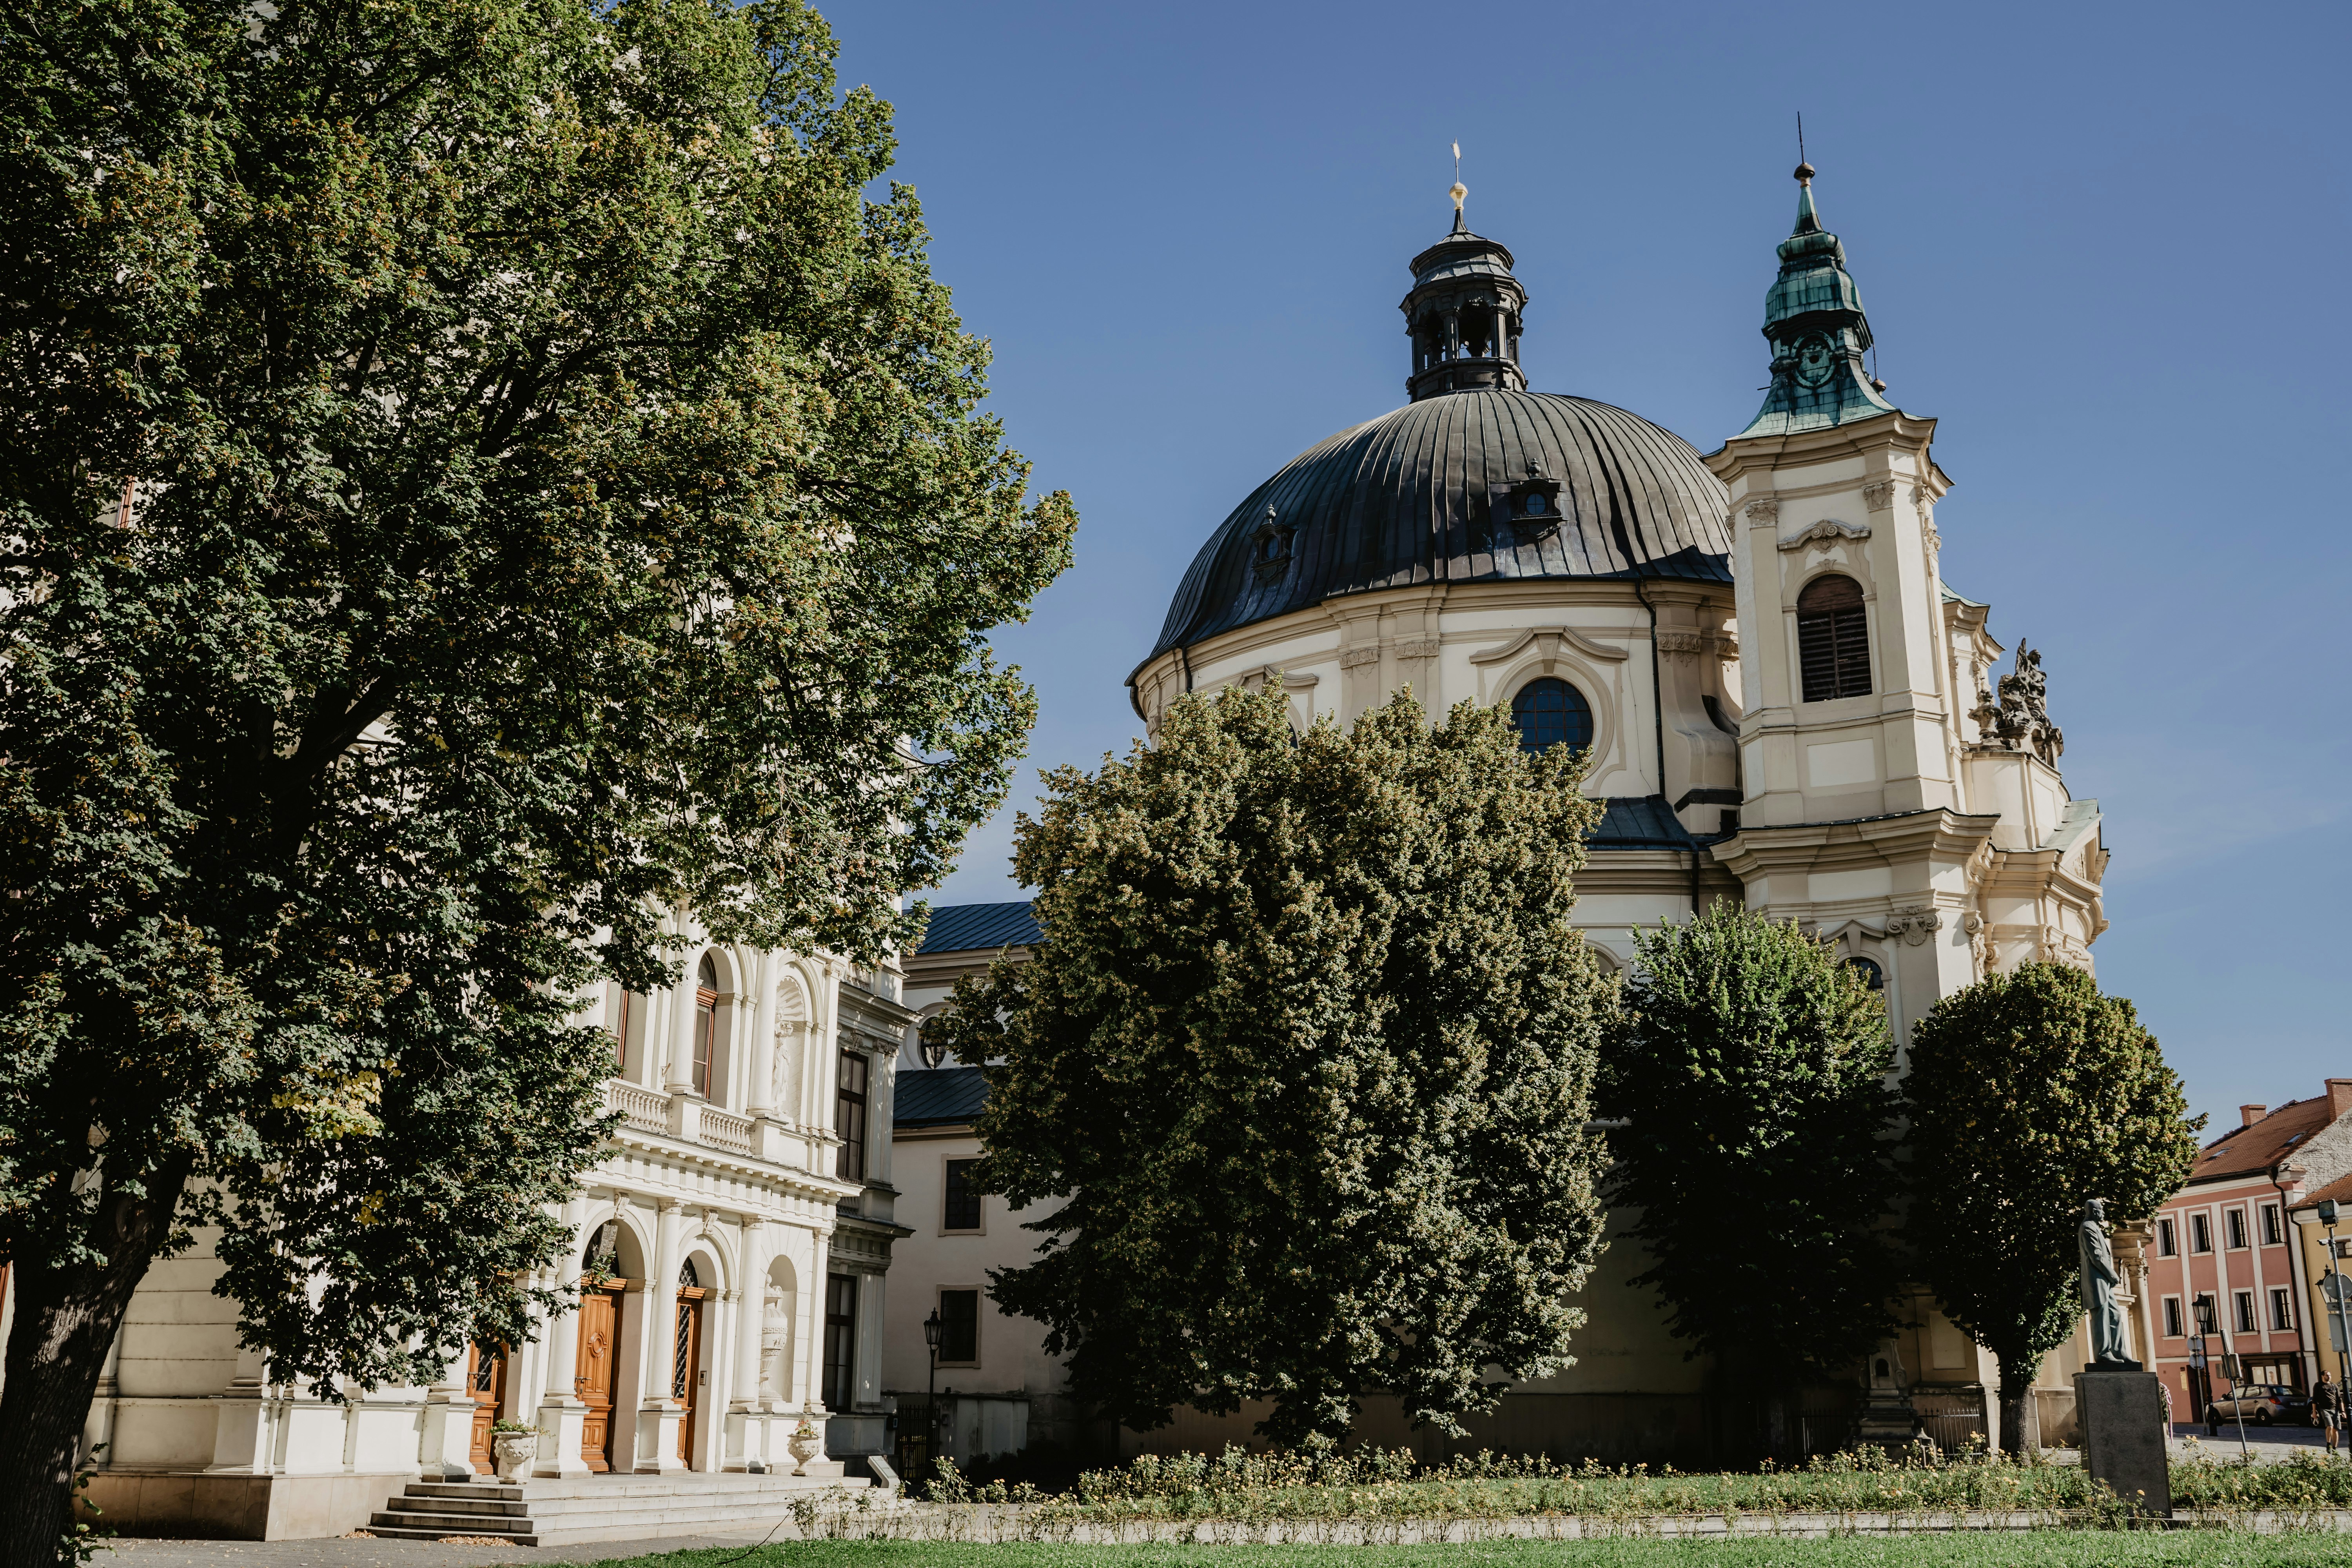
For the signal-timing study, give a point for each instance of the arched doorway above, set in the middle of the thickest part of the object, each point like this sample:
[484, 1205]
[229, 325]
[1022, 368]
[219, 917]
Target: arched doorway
[486, 1381]
[602, 1290]
[685, 1358]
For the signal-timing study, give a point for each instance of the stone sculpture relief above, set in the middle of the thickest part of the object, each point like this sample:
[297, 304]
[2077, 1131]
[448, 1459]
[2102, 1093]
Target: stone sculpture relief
[2020, 719]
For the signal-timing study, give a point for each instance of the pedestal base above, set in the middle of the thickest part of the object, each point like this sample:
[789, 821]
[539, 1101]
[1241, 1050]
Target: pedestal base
[2122, 1417]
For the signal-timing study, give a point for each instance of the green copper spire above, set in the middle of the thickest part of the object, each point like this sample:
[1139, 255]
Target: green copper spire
[1813, 320]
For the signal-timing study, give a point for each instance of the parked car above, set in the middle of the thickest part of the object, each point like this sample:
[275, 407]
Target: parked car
[2261, 1404]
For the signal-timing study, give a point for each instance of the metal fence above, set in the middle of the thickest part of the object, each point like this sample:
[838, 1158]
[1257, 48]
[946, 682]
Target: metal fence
[1951, 1416]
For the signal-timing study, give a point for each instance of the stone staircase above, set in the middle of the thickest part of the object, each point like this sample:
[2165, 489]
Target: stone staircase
[595, 1508]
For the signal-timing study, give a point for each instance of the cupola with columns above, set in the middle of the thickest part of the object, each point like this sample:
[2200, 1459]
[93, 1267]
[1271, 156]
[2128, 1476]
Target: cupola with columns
[1463, 314]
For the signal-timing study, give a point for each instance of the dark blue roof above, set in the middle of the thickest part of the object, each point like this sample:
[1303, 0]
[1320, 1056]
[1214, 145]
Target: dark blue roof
[938, 1097]
[1411, 498]
[979, 927]
[1640, 822]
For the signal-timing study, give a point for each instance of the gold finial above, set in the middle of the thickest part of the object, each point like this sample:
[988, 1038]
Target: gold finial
[1459, 190]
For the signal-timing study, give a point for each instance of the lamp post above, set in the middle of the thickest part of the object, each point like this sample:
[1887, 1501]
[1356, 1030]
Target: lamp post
[2206, 1312]
[932, 1391]
[2340, 1320]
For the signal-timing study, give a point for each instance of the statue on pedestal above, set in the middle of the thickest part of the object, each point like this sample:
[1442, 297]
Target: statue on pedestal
[2099, 1278]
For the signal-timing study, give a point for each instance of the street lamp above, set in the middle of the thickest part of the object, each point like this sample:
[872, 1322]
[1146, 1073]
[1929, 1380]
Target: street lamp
[2206, 1310]
[935, 1051]
[2339, 1310]
[931, 1390]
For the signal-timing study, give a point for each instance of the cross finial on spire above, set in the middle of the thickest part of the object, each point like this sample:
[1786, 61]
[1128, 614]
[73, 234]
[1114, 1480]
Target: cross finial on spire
[1459, 190]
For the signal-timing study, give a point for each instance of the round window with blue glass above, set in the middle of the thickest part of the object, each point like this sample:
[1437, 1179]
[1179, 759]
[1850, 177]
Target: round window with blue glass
[1549, 713]
[1535, 505]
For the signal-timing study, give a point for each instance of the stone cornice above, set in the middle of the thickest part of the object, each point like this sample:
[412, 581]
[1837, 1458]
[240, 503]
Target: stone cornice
[1748, 454]
[1937, 832]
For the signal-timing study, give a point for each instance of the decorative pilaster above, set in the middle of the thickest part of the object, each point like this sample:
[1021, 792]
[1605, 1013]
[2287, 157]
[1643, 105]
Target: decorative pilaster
[658, 1414]
[563, 1413]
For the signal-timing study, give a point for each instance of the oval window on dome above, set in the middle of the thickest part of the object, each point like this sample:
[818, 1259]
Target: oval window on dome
[1550, 712]
[1535, 506]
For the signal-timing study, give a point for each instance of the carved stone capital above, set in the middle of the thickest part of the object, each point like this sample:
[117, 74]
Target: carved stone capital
[1417, 648]
[1879, 495]
[1681, 645]
[1357, 657]
[1915, 925]
[1764, 511]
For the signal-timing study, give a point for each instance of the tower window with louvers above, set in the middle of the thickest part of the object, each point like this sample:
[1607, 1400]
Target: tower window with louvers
[1832, 639]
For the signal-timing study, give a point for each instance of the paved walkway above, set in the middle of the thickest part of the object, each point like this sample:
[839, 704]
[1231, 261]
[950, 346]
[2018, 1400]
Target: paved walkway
[2267, 1445]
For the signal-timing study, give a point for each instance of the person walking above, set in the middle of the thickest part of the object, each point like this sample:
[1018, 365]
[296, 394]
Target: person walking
[2328, 1410]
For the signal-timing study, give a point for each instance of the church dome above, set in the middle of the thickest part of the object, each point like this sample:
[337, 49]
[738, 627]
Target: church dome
[1471, 486]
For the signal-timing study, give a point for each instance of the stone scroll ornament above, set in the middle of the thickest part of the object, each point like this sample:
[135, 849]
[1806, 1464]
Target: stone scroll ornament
[2099, 1281]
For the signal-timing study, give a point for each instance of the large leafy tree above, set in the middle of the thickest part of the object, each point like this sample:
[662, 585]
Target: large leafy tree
[1752, 1069]
[479, 476]
[1306, 1054]
[2028, 1094]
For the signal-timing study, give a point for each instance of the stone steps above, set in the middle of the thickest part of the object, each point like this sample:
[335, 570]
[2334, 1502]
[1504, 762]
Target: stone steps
[544, 1512]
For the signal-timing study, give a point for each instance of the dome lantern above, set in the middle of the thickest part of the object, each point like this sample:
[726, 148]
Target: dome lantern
[1463, 315]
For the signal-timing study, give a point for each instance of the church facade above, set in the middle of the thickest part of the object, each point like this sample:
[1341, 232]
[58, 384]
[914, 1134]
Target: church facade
[1784, 702]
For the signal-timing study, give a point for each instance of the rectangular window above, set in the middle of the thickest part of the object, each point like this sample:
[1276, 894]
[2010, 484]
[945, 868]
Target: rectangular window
[2167, 1242]
[2282, 1309]
[1832, 639]
[849, 1116]
[840, 1341]
[963, 1211]
[2271, 1236]
[2235, 1221]
[2243, 1303]
[2172, 1316]
[2200, 1233]
[959, 1328]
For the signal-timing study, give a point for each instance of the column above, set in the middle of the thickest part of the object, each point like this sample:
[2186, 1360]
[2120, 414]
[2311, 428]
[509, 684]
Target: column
[760, 1094]
[681, 1034]
[808, 1373]
[746, 1433]
[657, 1412]
[448, 1437]
[563, 1415]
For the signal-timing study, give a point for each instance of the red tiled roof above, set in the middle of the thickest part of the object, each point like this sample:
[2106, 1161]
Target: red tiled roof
[2246, 1150]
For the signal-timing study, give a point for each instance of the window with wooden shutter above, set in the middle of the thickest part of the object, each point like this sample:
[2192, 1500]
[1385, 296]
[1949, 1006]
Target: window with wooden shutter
[1832, 639]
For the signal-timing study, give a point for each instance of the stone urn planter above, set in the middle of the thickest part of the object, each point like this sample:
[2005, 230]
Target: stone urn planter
[804, 1446]
[514, 1453]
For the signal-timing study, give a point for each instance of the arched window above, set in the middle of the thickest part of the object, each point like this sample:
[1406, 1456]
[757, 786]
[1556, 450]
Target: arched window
[1832, 639]
[1552, 712]
[1867, 969]
[688, 1276]
[706, 1022]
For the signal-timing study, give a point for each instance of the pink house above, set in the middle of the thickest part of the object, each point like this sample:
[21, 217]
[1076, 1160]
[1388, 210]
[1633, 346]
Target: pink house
[2223, 1252]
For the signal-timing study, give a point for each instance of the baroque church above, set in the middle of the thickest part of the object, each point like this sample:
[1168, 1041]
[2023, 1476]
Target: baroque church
[1784, 701]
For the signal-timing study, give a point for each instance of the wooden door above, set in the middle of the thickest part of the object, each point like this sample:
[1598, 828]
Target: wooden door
[486, 1380]
[686, 1367]
[600, 1339]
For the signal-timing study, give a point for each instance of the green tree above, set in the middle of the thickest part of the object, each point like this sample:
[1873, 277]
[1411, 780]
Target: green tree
[1751, 1069]
[479, 476]
[1307, 1051]
[2028, 1094]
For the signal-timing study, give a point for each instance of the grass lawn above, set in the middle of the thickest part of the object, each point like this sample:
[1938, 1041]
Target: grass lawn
[2037, 1549]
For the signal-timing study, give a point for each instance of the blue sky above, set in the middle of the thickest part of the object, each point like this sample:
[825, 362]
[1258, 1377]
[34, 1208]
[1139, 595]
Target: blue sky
[2104, 245]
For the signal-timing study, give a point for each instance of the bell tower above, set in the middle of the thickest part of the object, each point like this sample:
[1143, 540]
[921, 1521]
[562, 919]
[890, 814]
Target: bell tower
[1853, 812]
[1463, 314]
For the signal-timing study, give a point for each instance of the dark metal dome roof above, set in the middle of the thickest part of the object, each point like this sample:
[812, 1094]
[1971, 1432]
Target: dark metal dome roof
[1437, 491]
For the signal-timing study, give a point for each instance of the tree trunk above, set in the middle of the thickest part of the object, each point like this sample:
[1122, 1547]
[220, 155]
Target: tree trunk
[67, 1318]
[2019, 1436]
